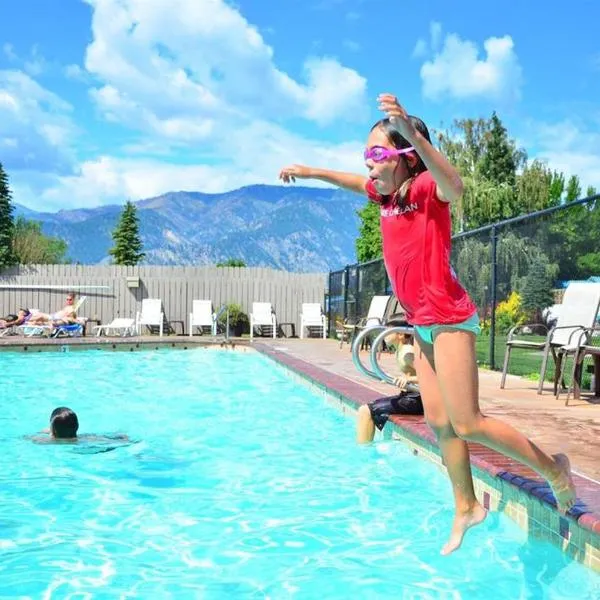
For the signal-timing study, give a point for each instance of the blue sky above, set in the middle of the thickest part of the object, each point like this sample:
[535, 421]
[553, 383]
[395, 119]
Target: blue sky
[104, 100]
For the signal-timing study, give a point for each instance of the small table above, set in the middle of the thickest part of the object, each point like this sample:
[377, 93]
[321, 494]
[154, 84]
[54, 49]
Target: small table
[97, 321]
[291, 326]
[177, 322]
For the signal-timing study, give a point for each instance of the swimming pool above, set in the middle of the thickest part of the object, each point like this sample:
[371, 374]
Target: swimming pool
[244, 484]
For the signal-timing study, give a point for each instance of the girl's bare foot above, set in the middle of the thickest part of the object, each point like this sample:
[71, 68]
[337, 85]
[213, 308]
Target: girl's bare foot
[562, 484]
[463, 522]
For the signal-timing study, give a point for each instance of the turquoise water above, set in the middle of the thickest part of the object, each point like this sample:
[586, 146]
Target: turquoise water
[243, 484]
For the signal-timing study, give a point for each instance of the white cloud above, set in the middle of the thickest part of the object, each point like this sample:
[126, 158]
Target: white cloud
[36, 64]
[570, 147]
[192, 79]
[76, 73]
[107, 179]
[351, 45]
[420, 49]
[200, 60]
[9, 51]
[423, 46]
[328, 80]
[435, 31]
[35, 125]
[456, 69]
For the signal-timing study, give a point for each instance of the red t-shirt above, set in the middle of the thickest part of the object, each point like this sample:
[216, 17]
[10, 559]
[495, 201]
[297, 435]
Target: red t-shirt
[416, 250]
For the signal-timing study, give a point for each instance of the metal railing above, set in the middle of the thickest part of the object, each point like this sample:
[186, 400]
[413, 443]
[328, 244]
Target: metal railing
[223, 308]
[381, 331]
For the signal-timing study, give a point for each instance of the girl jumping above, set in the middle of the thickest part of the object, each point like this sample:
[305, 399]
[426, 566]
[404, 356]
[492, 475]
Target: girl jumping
[414, 185]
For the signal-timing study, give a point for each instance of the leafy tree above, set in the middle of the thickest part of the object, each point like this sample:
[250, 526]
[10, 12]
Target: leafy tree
[487, 160]
[128, 246]
[32, 247]
[557, 188]
[232, 262]
[537, 288]
[573, 189]
[591, 191]
[7, 256]
[368, 243]
[538, 187]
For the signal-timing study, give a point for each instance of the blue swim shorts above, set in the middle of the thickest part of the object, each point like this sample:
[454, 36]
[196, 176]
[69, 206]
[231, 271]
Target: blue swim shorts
[428, 332]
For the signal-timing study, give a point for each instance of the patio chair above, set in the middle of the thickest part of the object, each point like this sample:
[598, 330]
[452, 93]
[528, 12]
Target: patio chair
[202, 316]
[375, 316]
[31, 330]
[151, 315]
[120, 326]
[71, 330]
[578, 313]
[312, 317]
[581, 349]
[263, 316]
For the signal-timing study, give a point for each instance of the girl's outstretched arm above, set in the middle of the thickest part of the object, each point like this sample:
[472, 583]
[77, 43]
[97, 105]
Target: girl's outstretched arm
[449, 182]
[348, 181]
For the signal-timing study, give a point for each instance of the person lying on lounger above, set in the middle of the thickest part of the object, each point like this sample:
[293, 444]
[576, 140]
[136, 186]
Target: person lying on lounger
[407, 402]
[15, 320]
[65, 316]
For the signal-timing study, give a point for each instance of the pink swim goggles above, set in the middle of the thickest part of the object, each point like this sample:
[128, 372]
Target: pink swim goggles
[380, 154]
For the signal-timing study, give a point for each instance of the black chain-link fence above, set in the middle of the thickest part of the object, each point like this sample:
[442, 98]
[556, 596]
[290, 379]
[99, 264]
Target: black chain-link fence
[515, 271]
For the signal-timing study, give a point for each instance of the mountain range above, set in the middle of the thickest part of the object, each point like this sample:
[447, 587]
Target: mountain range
[298, 229]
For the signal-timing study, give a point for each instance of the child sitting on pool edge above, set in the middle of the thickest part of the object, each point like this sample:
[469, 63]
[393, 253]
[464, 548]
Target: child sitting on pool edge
[376, 413]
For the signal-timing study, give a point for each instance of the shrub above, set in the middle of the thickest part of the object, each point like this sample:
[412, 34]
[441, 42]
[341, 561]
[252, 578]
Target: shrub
[509, 313]
[238, 319]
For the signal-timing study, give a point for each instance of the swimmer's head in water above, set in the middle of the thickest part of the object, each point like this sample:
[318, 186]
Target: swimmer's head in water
[63, 423]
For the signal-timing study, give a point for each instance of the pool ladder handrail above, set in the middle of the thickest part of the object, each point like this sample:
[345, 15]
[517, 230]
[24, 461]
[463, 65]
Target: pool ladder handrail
[377, 372]
[222, 309]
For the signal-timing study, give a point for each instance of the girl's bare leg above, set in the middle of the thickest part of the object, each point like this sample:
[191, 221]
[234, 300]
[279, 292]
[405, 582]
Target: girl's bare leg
[456, 369]
[468, 511]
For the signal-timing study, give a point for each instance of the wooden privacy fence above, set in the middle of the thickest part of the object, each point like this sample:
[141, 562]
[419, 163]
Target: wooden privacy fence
[110, 293]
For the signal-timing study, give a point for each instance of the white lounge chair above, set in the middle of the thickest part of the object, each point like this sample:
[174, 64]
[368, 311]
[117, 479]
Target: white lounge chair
[578, 313]
[375, 316]
[31, 330]
[312, 316]
[202, 315]
[262, 315]
[151, 315]
[119, 326]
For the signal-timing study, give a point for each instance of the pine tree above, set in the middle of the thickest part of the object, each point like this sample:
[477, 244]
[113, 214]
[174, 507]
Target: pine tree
[7, 225]
[537, 288]
[499, 162]
[368, 243]
[127, 250]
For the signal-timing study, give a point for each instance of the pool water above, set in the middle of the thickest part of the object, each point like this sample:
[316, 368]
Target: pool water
[241, 484]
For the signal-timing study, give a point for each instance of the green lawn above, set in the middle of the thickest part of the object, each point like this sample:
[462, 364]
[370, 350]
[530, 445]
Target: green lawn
[523, 362]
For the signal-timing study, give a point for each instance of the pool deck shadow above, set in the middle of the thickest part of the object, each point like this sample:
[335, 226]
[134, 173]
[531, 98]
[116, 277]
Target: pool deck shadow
[573, 429]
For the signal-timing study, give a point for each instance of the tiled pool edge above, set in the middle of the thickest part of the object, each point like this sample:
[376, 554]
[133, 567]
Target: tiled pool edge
[499, 482]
